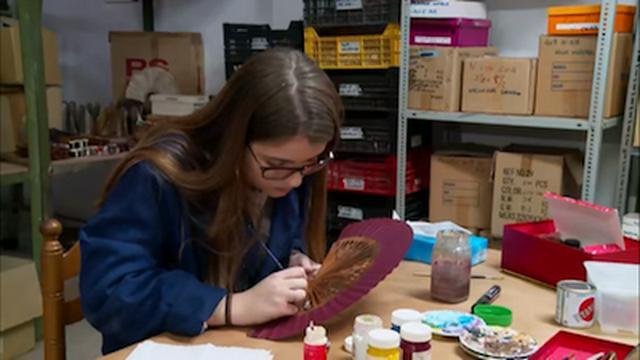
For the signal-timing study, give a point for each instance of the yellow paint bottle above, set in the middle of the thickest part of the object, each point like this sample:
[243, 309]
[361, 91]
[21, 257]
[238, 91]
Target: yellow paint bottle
[383, 344]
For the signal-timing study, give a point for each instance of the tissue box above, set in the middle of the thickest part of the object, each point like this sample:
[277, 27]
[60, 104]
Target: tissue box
[422, 248]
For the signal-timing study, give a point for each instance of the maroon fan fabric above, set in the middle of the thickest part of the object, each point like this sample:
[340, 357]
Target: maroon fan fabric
[393, 237]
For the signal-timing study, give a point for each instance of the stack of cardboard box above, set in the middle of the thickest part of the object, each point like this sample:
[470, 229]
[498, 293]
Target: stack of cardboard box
[481, 189]
[12, 99]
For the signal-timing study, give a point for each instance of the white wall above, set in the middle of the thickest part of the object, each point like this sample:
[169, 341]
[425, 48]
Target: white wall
[518, 24]
[82, 28]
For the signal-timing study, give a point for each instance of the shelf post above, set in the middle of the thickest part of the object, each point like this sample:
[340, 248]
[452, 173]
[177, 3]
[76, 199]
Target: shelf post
[30, 20]
[403, 89]
[631, 104]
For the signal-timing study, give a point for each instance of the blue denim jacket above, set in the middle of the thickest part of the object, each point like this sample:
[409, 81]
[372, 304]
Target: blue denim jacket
[141, 273]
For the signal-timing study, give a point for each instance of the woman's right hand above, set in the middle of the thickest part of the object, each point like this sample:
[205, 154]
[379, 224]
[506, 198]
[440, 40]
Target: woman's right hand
[280, 294]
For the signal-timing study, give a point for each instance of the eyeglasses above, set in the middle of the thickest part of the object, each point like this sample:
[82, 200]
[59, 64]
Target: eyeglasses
[284, 172]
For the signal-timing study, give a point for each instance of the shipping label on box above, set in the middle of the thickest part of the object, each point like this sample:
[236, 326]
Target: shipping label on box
[499, 85]
[565, 75]
[460, 190]
[520, 181]
[435, 76]
[179, 53]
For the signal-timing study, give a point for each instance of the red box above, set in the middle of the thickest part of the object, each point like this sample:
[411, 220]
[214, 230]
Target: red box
[563, 344]
[449, 32]
[526, 253]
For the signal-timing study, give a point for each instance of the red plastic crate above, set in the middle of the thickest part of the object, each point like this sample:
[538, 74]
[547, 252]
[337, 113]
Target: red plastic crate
[376, 175]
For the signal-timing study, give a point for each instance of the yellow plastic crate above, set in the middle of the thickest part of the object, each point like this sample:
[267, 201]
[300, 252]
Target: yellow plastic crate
[354, 51]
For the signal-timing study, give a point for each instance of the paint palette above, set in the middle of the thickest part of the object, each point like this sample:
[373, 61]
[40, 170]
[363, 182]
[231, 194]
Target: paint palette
[451, 323]
[498, 342]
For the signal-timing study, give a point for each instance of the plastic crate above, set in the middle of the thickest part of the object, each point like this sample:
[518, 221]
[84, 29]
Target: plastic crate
[329, 13]
[376, 175]
[585, 19]
[367, 132]
[367, 89]
[354, 51]
[344, 208]
[241, 41]
[449, 32]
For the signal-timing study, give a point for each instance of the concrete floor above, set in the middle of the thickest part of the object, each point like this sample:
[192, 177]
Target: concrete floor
[83, 342]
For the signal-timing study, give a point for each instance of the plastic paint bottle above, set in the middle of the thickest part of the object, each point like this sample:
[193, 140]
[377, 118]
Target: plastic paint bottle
[361, 327]
[415, 341]
[315, 343]
[383, 344]
[403, 316]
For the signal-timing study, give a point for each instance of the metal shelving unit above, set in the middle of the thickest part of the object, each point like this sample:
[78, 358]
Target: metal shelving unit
[594, 126]
[631, 113]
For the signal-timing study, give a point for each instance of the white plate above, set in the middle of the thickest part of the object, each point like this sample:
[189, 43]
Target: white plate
[470, 342]
[450, 323]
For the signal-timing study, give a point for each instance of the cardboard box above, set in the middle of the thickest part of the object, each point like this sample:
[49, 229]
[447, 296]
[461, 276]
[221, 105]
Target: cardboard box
[522, 178]
[176, 105]
[20, 304]
[435, 75]
[461, 188]
[179, 53]
[13, 121]
[17, 340]
[565, 75]
[11, 55]
[499, 85]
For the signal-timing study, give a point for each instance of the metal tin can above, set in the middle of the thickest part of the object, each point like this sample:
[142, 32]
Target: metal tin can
[576, 303]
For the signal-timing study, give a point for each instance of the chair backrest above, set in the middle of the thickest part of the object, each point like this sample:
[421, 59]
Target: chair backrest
[56, 266]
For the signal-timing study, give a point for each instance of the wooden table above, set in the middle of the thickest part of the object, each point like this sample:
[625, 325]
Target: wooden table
[533, 307]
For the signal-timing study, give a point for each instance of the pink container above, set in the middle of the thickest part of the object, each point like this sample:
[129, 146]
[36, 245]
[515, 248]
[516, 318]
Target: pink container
[449, 32]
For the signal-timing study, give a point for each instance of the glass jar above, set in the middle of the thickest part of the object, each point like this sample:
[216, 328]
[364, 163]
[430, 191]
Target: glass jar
[361, 327]
[415, 341]
[451, 267]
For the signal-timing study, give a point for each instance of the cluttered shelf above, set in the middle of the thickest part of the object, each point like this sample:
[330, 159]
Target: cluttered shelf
[543, 122]
[11, 173]
[11, 161]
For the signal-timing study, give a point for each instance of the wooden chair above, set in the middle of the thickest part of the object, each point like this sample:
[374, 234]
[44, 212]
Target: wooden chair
[56, 267]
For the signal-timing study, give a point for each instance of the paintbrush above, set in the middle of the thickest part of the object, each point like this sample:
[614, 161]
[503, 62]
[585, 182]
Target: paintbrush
[477, 276]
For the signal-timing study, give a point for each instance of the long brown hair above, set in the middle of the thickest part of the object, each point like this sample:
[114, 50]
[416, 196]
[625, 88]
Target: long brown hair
[277, 94]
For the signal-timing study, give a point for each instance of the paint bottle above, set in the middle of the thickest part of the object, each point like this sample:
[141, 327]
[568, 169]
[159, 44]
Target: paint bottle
[415, 341]
[383, 344]
[315, 343]
[361, 327]
[403, 316]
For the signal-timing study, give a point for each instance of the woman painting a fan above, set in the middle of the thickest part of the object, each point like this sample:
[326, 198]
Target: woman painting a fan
[214, 218]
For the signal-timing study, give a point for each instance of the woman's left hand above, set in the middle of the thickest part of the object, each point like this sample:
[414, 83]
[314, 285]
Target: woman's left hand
[299, 259]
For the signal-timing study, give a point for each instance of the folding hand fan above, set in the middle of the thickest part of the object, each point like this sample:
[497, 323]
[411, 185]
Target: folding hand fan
[364, 255]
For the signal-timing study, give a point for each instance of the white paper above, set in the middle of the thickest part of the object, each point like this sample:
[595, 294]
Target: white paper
[431, 229]
[152, 350]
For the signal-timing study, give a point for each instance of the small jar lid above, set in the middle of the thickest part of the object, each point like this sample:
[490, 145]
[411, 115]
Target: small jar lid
[366, 322]
[383, 339]
[494, 315]
[403, 316]
[415, 332]
[315, 335]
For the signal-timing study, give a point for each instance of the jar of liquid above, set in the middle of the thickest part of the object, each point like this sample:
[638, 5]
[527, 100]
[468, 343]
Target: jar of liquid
[451, 267]
[361, 327]
[383, 344]
[415, 341]
[403, 316]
